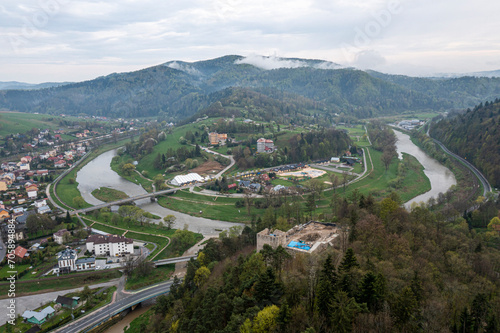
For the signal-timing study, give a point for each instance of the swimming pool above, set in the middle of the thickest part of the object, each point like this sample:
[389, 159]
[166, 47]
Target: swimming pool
[299, 245]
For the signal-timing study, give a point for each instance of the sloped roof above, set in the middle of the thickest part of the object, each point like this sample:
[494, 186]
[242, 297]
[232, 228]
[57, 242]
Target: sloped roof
[38, 315]
[20, 251]
[65, 300]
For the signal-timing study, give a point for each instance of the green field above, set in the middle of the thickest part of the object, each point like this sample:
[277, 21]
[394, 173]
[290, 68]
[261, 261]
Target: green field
[107, 194]
[67, 189]
[376, 182]
[20, 122]
[159, 274]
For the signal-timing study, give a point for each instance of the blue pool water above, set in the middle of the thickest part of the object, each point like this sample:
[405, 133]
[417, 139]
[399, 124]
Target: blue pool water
[298, 245]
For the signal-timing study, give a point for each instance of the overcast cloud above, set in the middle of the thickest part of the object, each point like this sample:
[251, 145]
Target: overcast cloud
[69, 40]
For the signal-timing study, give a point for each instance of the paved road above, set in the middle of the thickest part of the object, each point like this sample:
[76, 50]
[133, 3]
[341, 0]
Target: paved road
[34, 301]
[479, 175]
[112, 309]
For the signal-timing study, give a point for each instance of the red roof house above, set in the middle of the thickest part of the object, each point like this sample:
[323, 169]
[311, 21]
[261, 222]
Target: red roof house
[20, 252]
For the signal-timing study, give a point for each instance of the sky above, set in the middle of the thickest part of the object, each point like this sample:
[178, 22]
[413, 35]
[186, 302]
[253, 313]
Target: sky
[69, 40]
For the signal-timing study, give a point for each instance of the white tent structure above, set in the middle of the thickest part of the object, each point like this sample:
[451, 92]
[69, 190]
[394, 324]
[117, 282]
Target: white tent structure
[185, 179]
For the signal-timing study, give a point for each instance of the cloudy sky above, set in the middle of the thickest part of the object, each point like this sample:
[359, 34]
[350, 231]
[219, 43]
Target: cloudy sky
[69, 40]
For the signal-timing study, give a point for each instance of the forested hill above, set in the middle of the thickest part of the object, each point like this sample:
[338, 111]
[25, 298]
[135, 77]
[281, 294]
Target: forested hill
[475, 135]
[177, 90]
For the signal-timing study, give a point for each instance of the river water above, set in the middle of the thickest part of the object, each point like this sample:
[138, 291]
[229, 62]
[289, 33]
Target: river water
[441, 177]
[97, 173]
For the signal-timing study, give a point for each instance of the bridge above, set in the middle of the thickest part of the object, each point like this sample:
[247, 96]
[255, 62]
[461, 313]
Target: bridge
[98, 317]
[127, 200]
[173, 260]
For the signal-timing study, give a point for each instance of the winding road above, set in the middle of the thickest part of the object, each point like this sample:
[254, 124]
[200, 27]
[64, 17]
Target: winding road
[479, 175]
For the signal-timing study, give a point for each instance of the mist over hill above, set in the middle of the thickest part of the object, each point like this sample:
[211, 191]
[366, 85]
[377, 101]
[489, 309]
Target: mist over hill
[177, 90]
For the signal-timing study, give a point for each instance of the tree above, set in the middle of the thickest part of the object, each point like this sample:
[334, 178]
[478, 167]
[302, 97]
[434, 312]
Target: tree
[169, 221]
[87, 295]
[266, 320]
[386, 158]
[344, 310]
[494, 222]
[68, 217]
[128, 168]
[115, 219]
[33, 224]
[349, 261]
[201, 276]
[78, 202]
[143, 267]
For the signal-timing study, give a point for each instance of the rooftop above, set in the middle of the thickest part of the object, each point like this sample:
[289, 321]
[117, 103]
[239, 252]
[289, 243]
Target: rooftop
[102, 239]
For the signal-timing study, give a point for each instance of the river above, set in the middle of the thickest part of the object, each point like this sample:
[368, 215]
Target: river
[97, 173]
[441, 177]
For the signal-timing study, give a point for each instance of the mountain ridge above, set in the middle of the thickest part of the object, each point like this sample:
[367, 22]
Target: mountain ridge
[176, 90]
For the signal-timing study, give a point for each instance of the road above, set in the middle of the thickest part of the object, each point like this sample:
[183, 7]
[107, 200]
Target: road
[34, 301]
[115, 308]
[479, 175]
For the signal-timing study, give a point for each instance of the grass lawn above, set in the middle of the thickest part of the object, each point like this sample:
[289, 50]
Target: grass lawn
[376, 183]
[107, 194]
[67, 189]
[70, 281]
[159, 274]
[21, 122]
[137, 325]
[209, 209]
[280, 181]
[18, 268]
[172, 141]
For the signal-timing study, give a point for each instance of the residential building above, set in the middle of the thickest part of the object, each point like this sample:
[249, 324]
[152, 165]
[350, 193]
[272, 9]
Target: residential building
[109, 245]
[59, 236]
[40, 203]
[3, 185]
[4, 214]
[217, 139]
[265, 145]
[44, 210]
[21, 252]
[83, 264]
[38, 318]
[67, 302]
[66, 260]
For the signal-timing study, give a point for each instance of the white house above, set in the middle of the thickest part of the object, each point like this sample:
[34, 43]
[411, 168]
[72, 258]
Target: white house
[40, 203]
[83, 264]
[109, 245]
[59, 236]
[32, 194]
[265, 146]
[24, 167]
[44, 209]
[66, 260]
